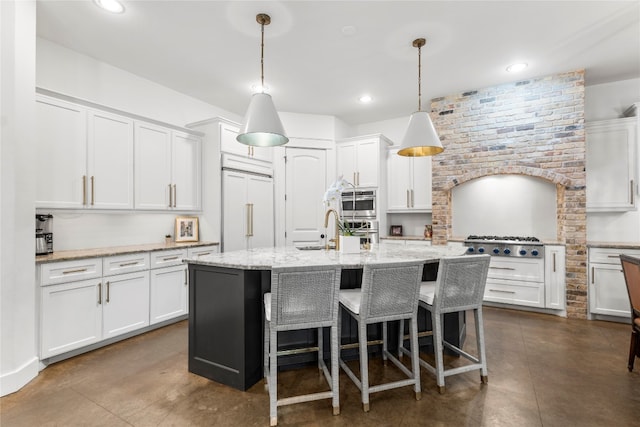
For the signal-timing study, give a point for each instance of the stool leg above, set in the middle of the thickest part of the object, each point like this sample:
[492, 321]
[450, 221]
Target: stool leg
[415, 354]
[400, 339]
[364, 365]
[273, 377]
[266, 352]
[384, 343]
[484, 375]
[438, 349]
[335, 369]
[320, 349]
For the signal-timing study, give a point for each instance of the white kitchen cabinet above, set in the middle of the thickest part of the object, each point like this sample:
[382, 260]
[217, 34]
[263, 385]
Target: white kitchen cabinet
[202, 251]
[248, 212]
[229, 144]
[167, 169]
[70, 316]
[60, 153]
[518, 281]
[607, 289]
[408, 183]
[169, 293]
[358, 160]
[554, 295]
[611, 183]
[84, 157]
[125, 303]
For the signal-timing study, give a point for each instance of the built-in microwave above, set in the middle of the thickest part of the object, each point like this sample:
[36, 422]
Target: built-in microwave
[359, 204]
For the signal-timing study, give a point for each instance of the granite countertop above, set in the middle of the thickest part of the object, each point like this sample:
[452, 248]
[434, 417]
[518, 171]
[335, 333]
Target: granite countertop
[614, 245]
[116, 250]
[266, 258]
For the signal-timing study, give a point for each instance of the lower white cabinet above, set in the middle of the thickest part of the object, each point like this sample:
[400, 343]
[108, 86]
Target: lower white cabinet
[125, 303]
[607, 289]
[70, 316]
[554, 277]
[517, 281]
[169, 293]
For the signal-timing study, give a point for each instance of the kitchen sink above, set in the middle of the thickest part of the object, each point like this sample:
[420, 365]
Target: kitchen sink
[310, 248]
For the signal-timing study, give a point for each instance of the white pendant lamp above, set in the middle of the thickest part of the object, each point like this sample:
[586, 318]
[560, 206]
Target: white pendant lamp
[262, 126]
[421, 138]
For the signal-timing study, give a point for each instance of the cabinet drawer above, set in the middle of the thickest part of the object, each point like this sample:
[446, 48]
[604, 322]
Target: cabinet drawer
[195, 253]
[125, 264]
[522, 293]
[166, 258]
[610, 255]
[70, 271]
[529, 270]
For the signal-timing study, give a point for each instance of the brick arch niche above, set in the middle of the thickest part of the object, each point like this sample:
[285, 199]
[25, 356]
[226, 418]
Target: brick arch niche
[533, 127]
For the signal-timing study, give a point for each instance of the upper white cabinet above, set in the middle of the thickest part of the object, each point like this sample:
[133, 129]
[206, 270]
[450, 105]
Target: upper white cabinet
[611, 164]
[358, 160]
[84, 157]
[229, 144]
[167, 165]
[408, 183]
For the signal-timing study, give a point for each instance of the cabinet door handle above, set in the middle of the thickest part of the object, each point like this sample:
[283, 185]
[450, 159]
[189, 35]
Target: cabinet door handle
[500, 290]
[554, 262]
[79, 270]
[247, 218]
[175, 195]
[127, 264]
[358, 178]
[203, 254]
[171, 258]
[251, 218]
[249, 151]
[407, 198]
[354, 180]
[502, 268]
[84, 190]
[99, 293]
[412, 201]
[593, 273]
[186, 277]
[170, 196]
[108, 291]
[632, 192]
[92, 189]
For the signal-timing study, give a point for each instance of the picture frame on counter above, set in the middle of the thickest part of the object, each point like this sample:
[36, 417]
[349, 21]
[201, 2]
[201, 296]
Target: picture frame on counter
[186, 229]
[396, 230]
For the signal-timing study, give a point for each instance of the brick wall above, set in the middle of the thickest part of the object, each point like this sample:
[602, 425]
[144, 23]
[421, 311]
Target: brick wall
[532, 127]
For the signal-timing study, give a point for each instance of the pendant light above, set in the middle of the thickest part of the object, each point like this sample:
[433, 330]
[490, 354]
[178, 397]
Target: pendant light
[262, 126]
[421, 138]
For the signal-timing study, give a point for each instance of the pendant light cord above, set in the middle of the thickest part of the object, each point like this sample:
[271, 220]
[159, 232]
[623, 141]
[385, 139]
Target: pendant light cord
[262, 59]
[419, 78]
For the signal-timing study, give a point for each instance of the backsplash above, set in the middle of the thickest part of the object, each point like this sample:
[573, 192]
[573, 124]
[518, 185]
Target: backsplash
[533, 127]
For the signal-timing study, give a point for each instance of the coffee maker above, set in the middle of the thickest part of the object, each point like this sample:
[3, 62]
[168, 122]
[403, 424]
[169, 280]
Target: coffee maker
[44, 234]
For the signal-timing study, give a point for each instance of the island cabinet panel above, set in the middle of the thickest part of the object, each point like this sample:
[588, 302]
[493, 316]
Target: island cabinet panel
[225, 324]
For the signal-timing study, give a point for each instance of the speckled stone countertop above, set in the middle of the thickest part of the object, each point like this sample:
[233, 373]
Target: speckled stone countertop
[614, 245]
[116, 250]
[265, 258]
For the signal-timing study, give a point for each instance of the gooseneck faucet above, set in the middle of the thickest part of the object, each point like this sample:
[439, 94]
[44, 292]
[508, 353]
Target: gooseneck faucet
[326, 224]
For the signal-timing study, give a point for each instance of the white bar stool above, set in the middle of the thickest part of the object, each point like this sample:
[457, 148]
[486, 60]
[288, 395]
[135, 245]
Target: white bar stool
[389, 292]
[301, 298]
[459, 287]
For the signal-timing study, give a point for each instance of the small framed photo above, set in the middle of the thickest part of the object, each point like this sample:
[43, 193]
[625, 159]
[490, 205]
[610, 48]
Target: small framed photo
[396, 230]
[186, 229]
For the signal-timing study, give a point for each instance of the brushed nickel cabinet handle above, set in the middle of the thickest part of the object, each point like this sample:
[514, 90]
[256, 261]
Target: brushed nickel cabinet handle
[632, 192]
[502, 268]
[170, 196]
[355, 182]
[249, 151]
[84, 189]
[203, 254]
[92, 189]
[412, 199]
[500, 290]
[171, 258]
[175, 195]
[127, 264]
[250, 219]
[99, 293]
[613, 256]
[407, 198]
[108, 291]
[358, 178]
[248, 232]
[593, 273]
[79, 270]
[554, 262]
[186, 276]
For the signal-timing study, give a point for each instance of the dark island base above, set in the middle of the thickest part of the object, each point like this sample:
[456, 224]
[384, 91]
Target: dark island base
[226, 325]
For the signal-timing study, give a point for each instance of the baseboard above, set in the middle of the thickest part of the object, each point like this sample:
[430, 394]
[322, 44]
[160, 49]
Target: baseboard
[15, 380]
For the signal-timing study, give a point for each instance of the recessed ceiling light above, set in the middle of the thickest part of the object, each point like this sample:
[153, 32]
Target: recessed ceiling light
[365, 99]
[113, 6]
[514, 68]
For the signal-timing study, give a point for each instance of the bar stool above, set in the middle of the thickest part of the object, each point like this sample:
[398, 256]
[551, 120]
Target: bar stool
[389, 292]
[459, 287]
[301, 298]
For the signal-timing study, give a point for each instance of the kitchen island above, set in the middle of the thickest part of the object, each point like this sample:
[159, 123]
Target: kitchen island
[225, 305]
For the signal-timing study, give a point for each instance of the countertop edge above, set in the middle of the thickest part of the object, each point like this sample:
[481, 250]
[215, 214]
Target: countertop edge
[76, 254]
[614, 245]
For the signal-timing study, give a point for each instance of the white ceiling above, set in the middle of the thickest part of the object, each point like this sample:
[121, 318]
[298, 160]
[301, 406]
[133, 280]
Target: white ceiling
[210, 50]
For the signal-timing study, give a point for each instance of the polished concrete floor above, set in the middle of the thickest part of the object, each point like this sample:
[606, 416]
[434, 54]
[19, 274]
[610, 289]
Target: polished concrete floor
[543, 371]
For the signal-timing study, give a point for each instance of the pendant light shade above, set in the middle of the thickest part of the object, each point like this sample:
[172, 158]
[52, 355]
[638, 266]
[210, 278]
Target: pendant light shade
[421, 138]
[262, 126]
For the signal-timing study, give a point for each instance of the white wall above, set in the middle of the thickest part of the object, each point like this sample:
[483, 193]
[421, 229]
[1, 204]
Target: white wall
[71, 73]
[18, 337]
[603, 102]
